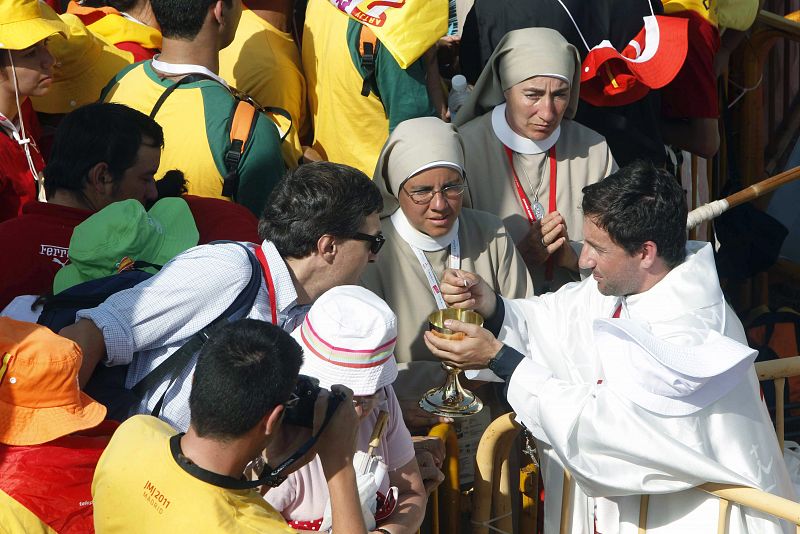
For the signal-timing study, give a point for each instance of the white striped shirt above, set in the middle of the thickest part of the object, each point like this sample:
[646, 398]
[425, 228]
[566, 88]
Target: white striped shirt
[143, 325]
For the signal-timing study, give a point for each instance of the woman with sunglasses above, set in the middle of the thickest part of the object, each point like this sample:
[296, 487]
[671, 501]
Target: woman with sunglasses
[421, 174]
[26, 69]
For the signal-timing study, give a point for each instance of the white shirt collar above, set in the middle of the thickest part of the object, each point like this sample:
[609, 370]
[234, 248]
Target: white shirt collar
[415, 238]
[516, 142]
[183, 69]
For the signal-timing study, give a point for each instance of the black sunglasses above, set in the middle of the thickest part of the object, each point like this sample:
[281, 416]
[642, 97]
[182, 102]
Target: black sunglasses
[375, 241]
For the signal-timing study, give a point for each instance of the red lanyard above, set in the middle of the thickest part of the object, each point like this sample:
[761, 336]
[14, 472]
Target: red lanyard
[273, 304]
[523, 198]
[526, 203]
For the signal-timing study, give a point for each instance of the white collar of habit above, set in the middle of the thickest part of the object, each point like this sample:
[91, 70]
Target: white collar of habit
[415, 238]
[514, 141]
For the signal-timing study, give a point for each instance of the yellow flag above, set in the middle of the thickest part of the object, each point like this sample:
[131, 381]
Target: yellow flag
[407, 28]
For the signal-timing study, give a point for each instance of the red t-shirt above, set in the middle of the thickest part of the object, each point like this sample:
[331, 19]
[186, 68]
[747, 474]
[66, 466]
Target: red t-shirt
[17, 185]
[54, 480]
[38, 241]
[35, 245]
[218, 219]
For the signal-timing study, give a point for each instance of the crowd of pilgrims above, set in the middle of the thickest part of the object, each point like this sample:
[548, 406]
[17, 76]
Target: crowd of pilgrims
[356, 167]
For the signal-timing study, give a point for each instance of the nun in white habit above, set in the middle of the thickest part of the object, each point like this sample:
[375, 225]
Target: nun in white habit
[526, 159]
[421, 175]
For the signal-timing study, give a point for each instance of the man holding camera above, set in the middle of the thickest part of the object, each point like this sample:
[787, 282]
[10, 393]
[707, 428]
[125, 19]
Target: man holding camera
[152, 479]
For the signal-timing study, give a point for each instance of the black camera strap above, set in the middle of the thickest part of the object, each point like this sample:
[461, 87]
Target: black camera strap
[269, 476]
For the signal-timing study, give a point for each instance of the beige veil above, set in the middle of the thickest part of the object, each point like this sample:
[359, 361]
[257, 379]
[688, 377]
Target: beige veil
[416, 145]
[520, 55]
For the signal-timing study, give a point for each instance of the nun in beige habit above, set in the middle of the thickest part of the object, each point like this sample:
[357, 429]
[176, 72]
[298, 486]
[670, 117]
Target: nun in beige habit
[526, 159]
[421, 175]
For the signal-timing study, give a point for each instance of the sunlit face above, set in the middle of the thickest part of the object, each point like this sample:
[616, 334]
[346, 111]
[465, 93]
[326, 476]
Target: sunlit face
[535, 107]
[34, 68]
[617, 273]
[354, 254]
[138, 181]
[437, 217]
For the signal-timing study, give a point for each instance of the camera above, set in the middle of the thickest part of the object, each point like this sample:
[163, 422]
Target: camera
[300, 408]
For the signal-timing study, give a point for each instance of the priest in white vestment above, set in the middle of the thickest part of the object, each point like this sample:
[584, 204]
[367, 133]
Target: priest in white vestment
[526, 159]
[637, 380]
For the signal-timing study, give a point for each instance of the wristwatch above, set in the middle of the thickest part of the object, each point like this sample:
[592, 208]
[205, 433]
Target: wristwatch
[505, 362]
[495, 361]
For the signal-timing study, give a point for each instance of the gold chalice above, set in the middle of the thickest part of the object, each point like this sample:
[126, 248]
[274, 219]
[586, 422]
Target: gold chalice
[450, 399]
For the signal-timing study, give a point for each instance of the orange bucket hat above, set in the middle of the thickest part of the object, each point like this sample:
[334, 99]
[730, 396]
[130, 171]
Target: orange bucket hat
[40, 399]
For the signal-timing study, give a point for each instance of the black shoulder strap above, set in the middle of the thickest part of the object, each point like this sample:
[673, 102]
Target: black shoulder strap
[178, 360]
[194, 77]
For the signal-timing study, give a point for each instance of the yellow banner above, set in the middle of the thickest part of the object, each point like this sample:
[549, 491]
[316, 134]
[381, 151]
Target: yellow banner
[407, 28]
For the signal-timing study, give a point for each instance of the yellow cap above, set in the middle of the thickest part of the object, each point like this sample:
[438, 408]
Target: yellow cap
[22, 25]
[85, 62]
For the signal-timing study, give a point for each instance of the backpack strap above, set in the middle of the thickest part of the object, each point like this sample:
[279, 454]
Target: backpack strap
[178, 360]
[368, 51]
[242, 126]
[194, 77]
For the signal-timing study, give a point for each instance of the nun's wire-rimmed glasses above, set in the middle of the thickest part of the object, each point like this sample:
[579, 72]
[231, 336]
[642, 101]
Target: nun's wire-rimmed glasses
[450, 192]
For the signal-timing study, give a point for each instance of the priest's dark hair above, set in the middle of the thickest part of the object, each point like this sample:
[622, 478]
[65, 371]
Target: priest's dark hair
[640, 203]
[317, 199]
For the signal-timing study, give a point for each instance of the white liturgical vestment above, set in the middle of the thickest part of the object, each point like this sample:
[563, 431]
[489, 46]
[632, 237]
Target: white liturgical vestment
[655, 402]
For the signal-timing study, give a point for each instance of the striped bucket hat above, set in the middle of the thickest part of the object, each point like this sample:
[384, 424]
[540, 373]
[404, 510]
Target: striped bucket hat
[348, 338]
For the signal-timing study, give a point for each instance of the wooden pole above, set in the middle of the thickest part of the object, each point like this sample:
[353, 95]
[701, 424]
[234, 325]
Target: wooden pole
[711, 210]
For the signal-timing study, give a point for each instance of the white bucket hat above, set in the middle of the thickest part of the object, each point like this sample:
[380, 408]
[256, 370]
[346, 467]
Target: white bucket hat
[666, 378]
[348, 338]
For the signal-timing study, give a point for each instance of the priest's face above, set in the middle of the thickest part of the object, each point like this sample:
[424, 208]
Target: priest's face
[617, 273]
[433, 215]
[535, 107]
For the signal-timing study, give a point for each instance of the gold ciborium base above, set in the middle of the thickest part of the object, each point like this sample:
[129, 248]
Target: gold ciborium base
[451, 400]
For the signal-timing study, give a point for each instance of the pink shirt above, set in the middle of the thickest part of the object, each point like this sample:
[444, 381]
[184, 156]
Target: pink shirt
[303, 496]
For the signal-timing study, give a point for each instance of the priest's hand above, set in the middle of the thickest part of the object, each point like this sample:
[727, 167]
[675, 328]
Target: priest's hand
[473, 352]
[463, 289]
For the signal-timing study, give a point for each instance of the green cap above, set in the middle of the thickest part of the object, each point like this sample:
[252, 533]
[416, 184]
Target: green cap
[122, 233]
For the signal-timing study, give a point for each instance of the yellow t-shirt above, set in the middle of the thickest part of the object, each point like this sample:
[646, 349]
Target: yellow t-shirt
[264, 62]
[139, 487]
[348, 128]
[196, 121]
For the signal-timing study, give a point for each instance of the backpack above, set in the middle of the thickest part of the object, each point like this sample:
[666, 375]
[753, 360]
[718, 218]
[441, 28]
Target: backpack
[107, 384]
[242, 124]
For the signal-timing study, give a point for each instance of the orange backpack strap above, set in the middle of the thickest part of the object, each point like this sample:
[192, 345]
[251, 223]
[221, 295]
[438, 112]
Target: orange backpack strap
[242, 126]
[367, 50]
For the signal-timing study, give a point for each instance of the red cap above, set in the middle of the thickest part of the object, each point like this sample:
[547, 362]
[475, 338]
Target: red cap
[650, 61]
